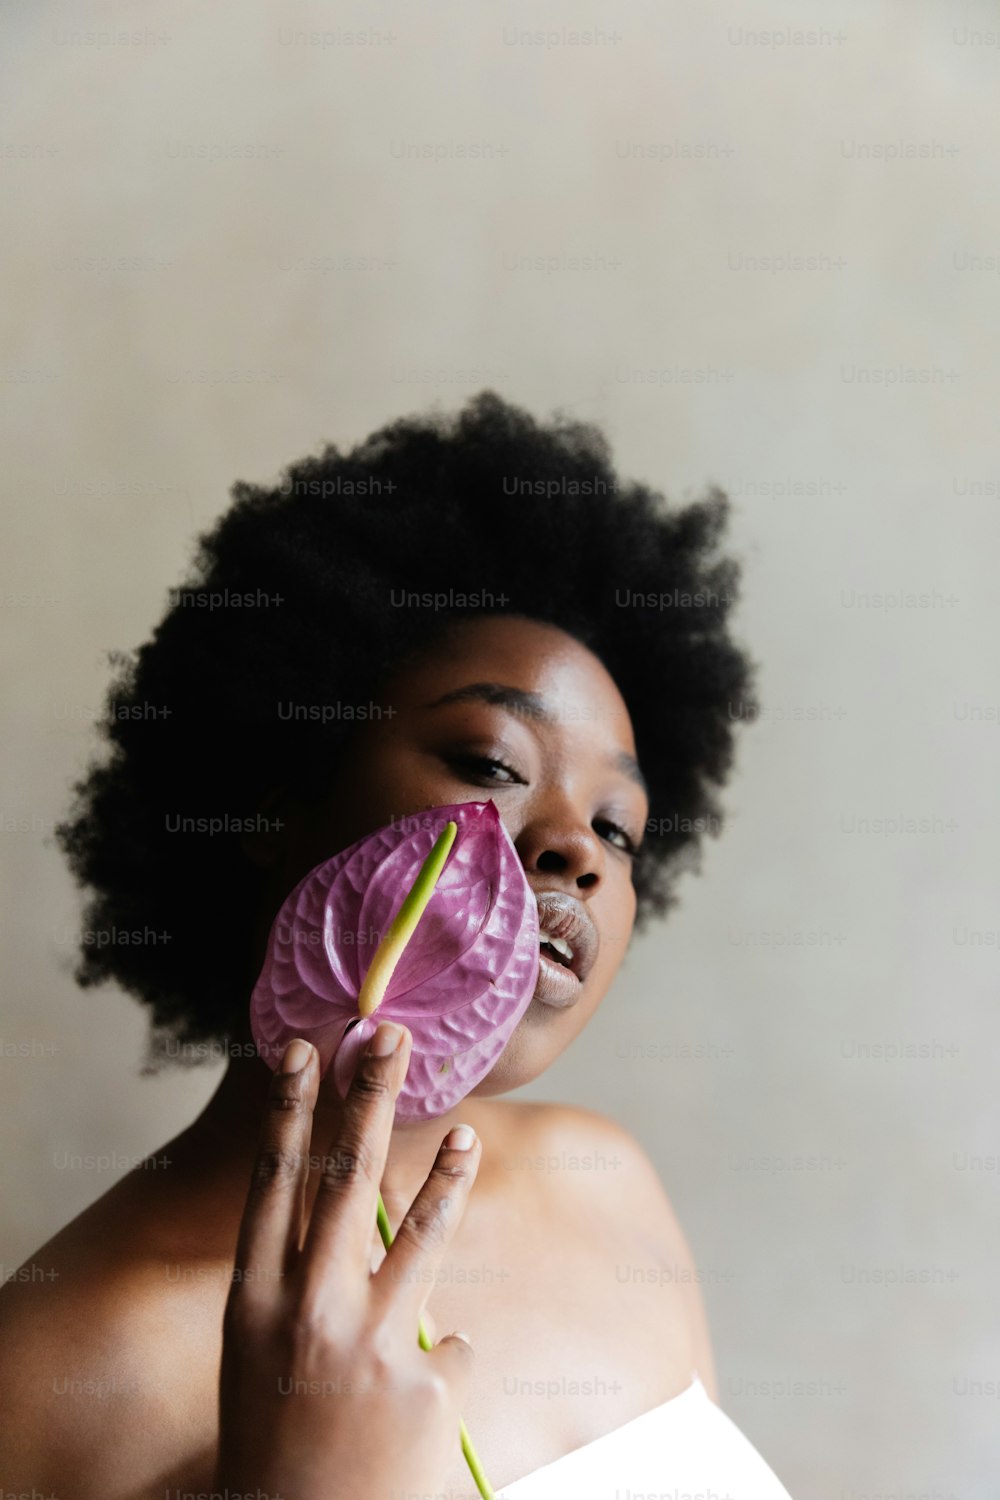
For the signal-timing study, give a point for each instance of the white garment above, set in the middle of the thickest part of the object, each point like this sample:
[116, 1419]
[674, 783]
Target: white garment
[685, 1449]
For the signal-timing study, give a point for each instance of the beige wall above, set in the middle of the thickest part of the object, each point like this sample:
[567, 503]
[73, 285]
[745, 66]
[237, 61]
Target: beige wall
[238, 335]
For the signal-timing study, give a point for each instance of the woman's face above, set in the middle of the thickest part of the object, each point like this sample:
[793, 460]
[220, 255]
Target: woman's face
[519, 711]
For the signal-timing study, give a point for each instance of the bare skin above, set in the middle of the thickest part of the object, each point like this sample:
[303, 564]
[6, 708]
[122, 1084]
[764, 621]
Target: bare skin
[111, 1370]
[306, 1304]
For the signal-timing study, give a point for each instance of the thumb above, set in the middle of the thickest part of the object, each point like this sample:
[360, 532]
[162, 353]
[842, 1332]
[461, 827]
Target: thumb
[456, 1358]
[462, 1337]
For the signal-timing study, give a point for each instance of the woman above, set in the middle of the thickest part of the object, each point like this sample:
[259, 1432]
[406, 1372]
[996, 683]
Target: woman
[459, 608]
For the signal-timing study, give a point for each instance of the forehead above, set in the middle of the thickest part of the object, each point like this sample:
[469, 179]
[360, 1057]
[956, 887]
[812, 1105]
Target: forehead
[531, 655]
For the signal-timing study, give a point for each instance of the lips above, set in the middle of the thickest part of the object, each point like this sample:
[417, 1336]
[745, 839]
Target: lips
[568, 944]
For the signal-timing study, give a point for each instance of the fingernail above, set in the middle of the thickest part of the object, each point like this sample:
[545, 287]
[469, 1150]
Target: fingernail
[296, 1056]
[458, 1334]
[460, 1138]
[386, 1039]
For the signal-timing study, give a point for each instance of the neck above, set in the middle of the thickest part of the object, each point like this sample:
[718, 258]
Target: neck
[223, 1140]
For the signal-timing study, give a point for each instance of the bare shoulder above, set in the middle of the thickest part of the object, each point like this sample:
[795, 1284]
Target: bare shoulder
[88, 1337]
[607, 1184]
[598, 1156]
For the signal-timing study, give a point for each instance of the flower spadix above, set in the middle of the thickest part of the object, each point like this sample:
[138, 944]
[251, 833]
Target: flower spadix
[428, 921]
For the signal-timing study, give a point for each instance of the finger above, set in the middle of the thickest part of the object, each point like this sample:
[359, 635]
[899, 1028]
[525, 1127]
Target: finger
[404, 1280]
[455, 1357]
[272, 1217]
[343, 1216]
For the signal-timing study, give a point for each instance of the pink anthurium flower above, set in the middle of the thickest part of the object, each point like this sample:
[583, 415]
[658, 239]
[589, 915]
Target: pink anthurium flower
[429, 921]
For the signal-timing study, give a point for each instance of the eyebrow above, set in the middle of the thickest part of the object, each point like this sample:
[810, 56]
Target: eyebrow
[530, 706]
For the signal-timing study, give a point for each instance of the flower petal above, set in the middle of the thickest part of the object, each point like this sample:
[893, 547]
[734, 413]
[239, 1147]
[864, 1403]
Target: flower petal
[462, 983]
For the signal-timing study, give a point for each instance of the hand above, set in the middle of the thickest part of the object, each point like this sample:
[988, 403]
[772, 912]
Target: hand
[324, 1392]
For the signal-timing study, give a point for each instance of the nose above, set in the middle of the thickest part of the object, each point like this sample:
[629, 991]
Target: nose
[556, 842]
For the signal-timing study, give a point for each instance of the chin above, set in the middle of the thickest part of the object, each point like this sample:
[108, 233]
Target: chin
[532, 1048]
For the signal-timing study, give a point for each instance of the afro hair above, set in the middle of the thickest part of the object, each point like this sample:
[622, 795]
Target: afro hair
[294, 597]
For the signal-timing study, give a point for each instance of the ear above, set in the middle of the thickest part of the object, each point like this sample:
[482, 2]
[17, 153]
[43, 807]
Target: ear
[264, 842]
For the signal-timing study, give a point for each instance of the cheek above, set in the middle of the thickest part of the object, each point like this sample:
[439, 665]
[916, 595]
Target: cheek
[385, 779]
[616, 924]
[602, 976]
[372, 786]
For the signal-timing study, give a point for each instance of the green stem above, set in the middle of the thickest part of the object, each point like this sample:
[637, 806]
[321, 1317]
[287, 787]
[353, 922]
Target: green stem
[424, 1340]
[390, 949]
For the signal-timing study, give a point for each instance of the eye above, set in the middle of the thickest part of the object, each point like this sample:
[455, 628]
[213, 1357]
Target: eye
[617, 836]
[486, 768]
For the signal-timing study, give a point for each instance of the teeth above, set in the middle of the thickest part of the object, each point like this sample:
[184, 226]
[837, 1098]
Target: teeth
[558, 944]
